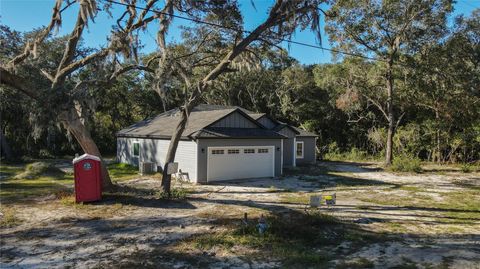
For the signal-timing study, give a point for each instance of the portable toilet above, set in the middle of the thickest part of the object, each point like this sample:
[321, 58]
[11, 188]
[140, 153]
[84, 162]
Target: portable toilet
[88, 178]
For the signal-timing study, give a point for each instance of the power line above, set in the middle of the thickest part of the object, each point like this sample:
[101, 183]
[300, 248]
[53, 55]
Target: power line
[243, 31]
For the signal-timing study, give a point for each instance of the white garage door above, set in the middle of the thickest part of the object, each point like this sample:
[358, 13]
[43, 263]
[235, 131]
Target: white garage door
[240, 162]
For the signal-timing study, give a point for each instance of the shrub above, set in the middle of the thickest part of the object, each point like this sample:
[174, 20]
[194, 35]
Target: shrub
[406, 164]
[466, 168]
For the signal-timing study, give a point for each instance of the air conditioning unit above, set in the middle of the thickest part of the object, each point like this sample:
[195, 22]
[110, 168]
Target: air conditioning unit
[147, 168]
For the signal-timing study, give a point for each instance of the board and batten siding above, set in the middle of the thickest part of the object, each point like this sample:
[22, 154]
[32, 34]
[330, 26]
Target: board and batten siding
[288, 147]
[235, 120]
[309, 149]
[155, 150]
[268, 123]
[203, 145]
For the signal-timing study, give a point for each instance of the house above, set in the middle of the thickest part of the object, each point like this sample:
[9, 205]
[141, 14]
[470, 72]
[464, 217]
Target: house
[219, 143]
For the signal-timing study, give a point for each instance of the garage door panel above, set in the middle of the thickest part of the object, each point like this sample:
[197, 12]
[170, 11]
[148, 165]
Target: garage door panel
[226, 163]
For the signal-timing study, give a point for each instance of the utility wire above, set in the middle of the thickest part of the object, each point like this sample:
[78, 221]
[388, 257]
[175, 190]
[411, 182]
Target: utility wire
[243, 31]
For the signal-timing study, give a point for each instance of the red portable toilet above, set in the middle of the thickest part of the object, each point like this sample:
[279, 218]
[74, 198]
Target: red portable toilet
[88, 178]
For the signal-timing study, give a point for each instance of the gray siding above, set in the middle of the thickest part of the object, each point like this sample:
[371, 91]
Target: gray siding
[268, 123]
[203, 144]
[235, 120]
[288, 151]
[155, 150]
[288, 147]
[309, 150]
[287, 132]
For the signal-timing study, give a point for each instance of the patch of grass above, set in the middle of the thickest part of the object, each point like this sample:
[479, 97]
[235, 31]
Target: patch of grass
[175, 194]
[356, 263]
[20, 189]
[467, 168]
[122, 171]
[406, 164]
[410, 188]
[395, 227]
[8, 171]
[8, 218]
[295, 198]
[298, 239]
[38, 169]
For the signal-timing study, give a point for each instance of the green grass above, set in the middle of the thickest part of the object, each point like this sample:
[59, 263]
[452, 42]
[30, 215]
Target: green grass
[122, 171]
[14, 189]
[459, 207]
[45, 181]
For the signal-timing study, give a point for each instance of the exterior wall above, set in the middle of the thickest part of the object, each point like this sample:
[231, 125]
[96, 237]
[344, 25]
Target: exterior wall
[203, 144]
[265, 121]
[288, 152]
[155, 150]
[235, 120]
[288, 147]
[309, 150]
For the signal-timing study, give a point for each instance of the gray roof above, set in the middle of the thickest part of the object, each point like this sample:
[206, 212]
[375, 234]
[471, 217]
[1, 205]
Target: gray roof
[302, 132]
[163, 125]
[282, 125]
[201, 117]
[218, 132]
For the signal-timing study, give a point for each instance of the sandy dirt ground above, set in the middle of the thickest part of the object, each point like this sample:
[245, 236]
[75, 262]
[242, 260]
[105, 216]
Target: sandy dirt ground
[56, 234]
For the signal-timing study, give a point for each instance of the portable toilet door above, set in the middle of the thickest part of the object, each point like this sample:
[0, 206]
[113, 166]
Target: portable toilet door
[88, 179]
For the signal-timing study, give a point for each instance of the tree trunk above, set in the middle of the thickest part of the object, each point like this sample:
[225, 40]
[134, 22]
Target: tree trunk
[172, 147]
[4, 147]
[438, 155]
[391, 114]
[75, 126]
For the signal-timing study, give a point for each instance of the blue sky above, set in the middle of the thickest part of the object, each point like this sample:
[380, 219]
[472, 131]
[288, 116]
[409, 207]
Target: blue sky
[25, 15]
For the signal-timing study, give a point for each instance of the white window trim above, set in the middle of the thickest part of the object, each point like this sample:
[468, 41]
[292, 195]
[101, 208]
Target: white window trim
[303, 149]
[133, 149]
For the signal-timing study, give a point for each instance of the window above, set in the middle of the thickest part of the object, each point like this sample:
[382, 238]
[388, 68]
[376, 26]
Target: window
[299, 150]
[262, 150]
[136, 149]
[217, 151]
[247, 151]
[233, 151]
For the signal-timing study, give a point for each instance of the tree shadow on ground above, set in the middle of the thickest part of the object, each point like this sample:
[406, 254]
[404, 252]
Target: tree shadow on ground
[296, 240]
[141, 197]
[304, 182]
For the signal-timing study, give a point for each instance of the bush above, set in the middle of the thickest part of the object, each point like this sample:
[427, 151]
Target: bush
[355, 154]
[466, 168]
[406, 164]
